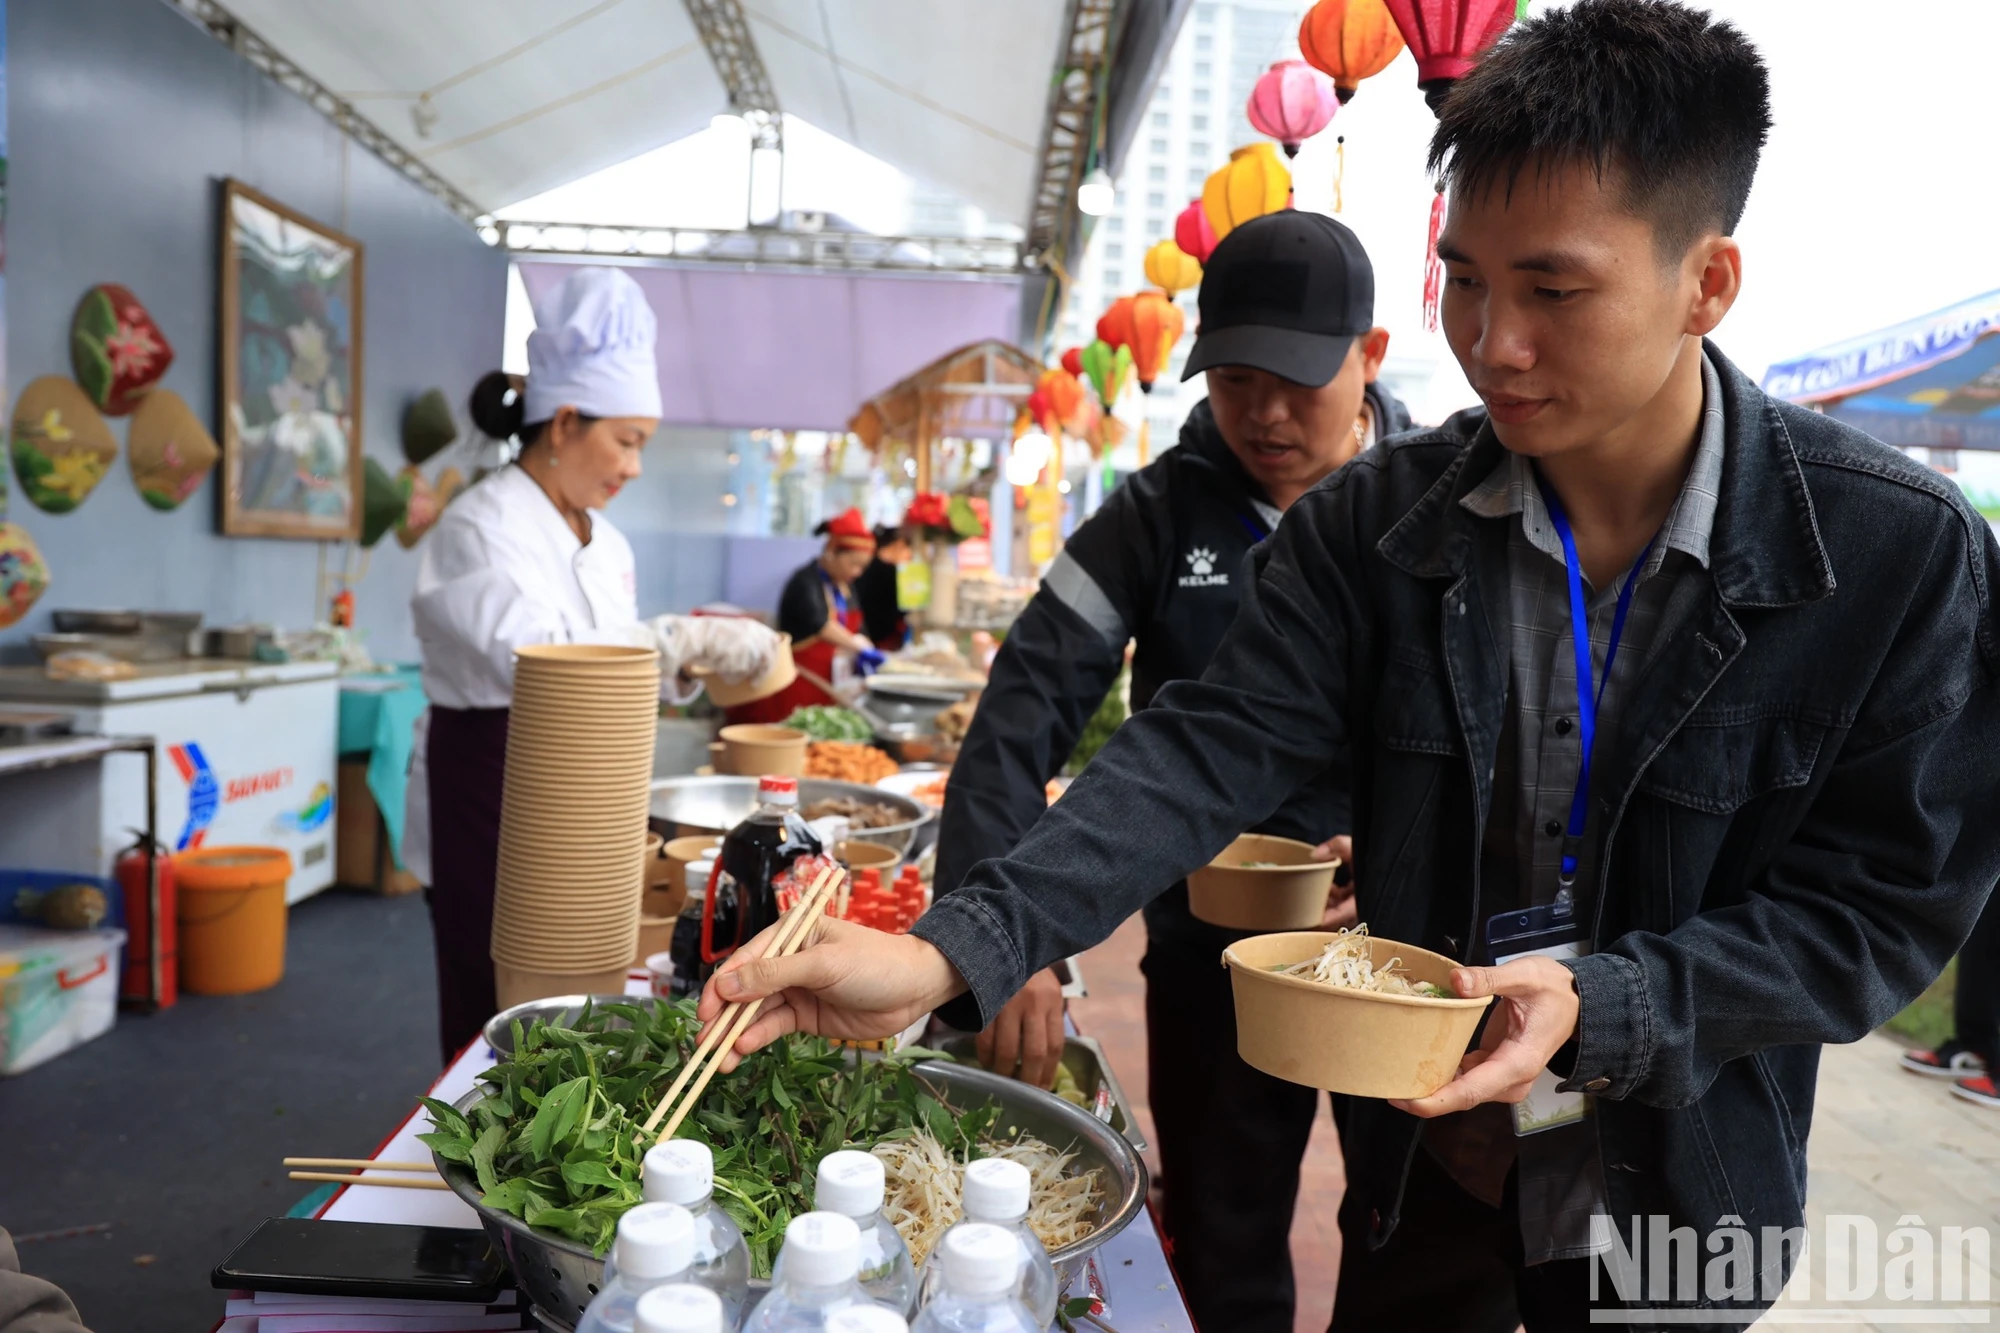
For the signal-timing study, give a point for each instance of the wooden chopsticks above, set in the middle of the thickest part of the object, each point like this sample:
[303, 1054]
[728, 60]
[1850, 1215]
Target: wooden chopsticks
[390, 1182]
[719, 1037]
[362, 1164]
[426, 1170]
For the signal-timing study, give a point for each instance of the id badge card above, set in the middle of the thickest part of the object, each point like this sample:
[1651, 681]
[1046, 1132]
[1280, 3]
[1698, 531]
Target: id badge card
[1551, 931]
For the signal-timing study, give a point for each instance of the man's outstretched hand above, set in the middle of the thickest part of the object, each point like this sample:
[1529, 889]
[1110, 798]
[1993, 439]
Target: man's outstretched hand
[849, 982]
[1340, 909]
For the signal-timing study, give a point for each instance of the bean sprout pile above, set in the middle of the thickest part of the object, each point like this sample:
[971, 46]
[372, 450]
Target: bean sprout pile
[924, 1183]
[1347, 961]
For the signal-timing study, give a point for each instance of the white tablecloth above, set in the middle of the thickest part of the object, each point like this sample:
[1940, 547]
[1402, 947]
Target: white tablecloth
[1143, 1297]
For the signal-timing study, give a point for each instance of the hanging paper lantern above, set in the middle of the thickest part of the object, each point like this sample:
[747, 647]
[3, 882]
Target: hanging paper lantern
[1446, 37]
[1255, 182]
[1348, 41]
[1157, 324]
[1291, 102]
[1171, 268]
[1114, 326]
[1193, 234]
[1072, 361]
[1062, 396]
[1107, 367]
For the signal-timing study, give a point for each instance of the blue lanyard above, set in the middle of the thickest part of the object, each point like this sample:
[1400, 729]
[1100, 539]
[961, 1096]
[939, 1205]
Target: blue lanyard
[1587, 697]
[1258, 532]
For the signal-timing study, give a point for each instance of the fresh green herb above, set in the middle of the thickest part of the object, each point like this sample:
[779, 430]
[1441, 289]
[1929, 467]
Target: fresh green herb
[1431, 990]
[826, 722]
[558, 1140]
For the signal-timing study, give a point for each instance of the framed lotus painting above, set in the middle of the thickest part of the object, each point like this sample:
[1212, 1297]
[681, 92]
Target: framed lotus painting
[291, 372]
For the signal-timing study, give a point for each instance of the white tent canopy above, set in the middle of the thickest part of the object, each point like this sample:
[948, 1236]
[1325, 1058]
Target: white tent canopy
[518, 96]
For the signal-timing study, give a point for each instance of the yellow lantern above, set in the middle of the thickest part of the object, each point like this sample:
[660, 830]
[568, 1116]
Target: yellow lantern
[1171, 268]
[1255, 182]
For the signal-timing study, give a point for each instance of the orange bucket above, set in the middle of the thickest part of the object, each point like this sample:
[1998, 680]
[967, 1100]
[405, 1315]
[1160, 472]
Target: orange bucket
[232, 918]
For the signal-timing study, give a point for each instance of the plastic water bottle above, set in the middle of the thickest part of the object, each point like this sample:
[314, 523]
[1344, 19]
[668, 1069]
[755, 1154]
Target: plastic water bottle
[997, 1192]
[981, 1267]
[852, 1183]
[682, 1171]
[814, 1278]
[655, 1247]
[680, 1307]
[866, 1319]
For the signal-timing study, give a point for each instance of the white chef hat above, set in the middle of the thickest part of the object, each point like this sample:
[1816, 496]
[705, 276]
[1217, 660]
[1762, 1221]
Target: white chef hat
[592, 349]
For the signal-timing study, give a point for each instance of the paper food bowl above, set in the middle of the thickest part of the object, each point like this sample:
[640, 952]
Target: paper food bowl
[517, 985]
[753, 751]
[726, 694]
[1286, 890]
[1358, 1042]
[858, 855]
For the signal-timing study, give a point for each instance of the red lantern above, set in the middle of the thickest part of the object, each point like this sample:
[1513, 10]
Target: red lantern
[1291, 102]
[1446, 37]
[1072, 361]
[1349, 40]
[1194, 233]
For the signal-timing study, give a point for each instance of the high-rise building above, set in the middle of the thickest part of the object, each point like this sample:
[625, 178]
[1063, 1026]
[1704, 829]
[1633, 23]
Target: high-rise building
[1196, 117]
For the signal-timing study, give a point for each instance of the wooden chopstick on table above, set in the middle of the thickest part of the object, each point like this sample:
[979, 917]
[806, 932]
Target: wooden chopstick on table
[390, 1182]
[793, 929]
[362, 1164]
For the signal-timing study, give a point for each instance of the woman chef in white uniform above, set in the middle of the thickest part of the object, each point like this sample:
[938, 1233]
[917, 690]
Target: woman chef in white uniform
[524, 558]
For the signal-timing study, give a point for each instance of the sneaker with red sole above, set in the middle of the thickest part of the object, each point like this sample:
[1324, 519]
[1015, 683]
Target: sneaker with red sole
[1979, 1091]
[1950, 1060]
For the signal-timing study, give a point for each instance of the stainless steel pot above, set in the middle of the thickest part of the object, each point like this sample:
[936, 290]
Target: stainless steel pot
[718, 804]
[560, 1276]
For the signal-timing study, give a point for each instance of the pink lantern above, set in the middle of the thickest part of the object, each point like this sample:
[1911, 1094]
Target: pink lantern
[1292, 102]
[1194, 233]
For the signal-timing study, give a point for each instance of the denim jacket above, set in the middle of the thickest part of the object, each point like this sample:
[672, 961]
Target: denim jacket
[1801, 808]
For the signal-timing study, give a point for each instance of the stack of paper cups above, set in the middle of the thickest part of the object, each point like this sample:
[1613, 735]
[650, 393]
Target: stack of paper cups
[573, 819]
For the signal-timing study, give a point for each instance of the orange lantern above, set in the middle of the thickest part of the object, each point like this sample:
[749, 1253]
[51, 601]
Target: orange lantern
[1255, 182]
[1063, 396]
[1157, 324]
[1349, 40]
[1115, 325]
[1171, 268]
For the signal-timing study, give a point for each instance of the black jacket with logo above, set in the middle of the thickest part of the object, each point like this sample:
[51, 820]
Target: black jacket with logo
[1160, 564]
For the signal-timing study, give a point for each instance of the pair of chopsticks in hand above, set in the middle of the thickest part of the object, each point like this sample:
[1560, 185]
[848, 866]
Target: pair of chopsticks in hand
[719, 1037]
[426, 1171]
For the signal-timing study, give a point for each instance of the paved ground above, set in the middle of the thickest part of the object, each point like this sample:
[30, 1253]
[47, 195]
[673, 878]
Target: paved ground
[168, 1130]
[1885, 1144]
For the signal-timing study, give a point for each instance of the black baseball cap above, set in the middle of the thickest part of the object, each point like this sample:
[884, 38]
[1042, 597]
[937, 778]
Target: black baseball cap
[1287, 292]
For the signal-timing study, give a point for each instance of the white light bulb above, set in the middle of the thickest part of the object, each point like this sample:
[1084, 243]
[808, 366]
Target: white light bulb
[1097, 195]
[1062, 487]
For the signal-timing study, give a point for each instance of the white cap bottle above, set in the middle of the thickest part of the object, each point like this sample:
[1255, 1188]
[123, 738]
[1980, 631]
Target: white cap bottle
[866, 1319]
[682, 1171]
[655, 1242]
[678, 1307]
[852, 1183]
[996, 1190]
[679, 1171]
[822, 1250]
[980, 1262]
[655, 1248]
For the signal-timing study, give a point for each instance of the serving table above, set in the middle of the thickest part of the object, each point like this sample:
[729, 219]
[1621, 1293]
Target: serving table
[1141, 1295]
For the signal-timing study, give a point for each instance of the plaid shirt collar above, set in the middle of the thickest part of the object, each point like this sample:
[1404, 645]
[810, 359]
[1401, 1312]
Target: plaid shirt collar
[1510, 489]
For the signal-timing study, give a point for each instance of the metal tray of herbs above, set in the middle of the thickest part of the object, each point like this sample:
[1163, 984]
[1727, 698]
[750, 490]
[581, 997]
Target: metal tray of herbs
[559, 1275]
[1091, 1084]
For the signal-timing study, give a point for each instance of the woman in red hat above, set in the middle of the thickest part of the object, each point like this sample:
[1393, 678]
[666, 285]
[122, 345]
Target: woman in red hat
[820, 611]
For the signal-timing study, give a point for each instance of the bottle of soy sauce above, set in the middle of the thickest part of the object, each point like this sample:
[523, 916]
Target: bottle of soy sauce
[741, 900]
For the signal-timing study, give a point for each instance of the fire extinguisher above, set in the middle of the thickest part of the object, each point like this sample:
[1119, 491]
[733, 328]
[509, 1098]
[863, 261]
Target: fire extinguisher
[152, 971]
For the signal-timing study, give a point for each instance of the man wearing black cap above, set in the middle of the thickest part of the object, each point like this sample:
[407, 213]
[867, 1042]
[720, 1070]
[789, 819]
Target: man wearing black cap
[1290, 347]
